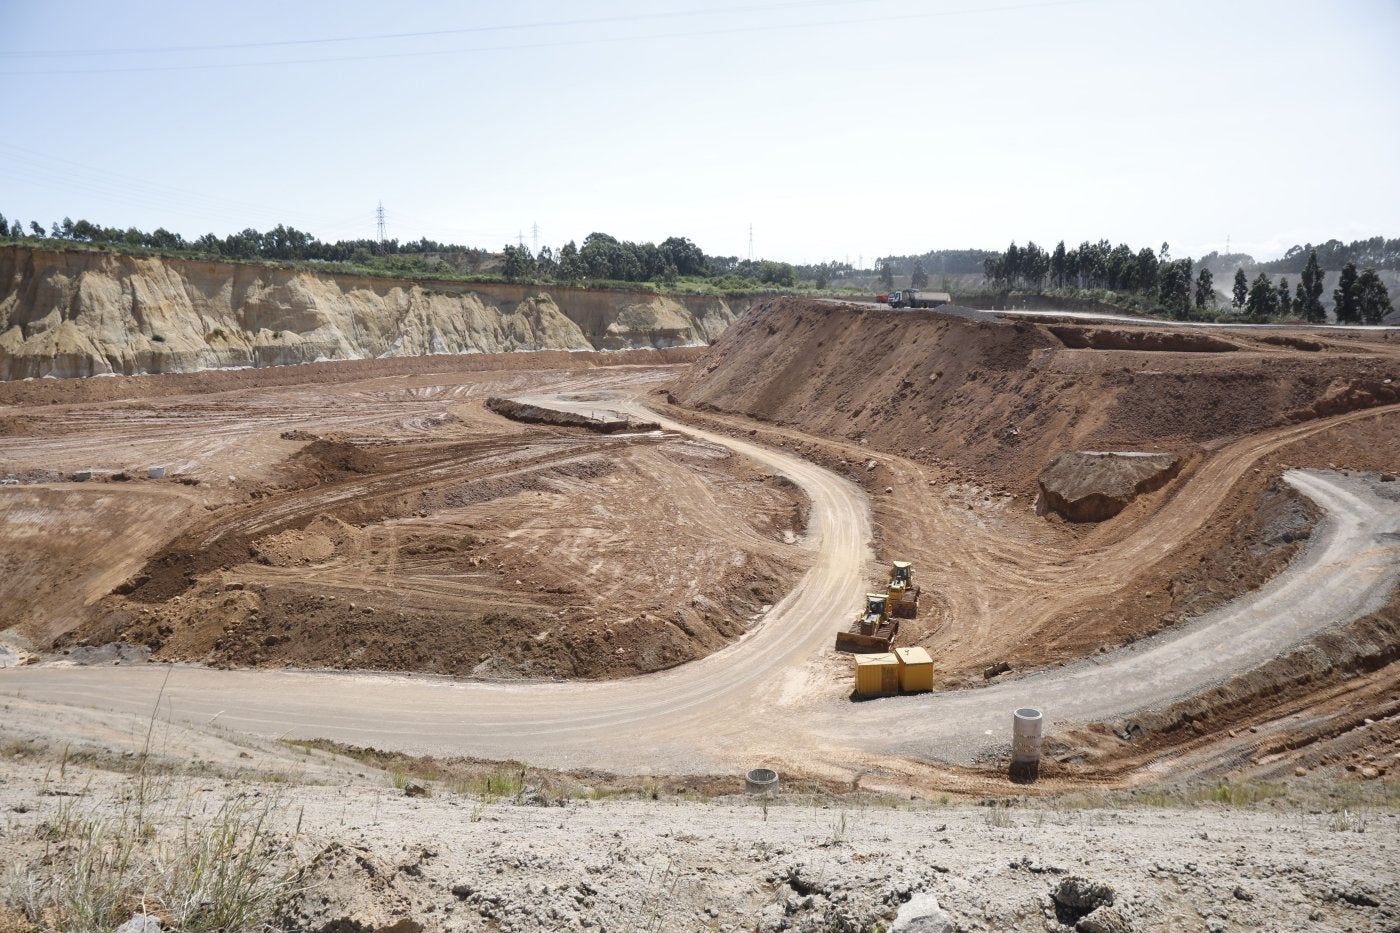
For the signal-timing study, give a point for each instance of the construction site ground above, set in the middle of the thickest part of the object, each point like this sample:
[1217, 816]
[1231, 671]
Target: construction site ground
[663, 604]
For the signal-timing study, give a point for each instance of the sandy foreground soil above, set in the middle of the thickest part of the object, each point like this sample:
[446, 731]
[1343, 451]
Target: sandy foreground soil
[342, 846]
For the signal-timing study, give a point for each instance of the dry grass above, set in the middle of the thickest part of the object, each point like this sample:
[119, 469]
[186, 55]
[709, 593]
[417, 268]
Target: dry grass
[158, 854]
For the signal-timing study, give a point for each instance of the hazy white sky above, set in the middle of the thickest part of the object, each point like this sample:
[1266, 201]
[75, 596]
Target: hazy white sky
[838, 128]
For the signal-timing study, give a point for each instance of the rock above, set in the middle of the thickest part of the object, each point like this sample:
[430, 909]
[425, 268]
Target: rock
[414, 789]
[1091, 486]
[921, 914]
[1105, 920]
[1369, 773]
[1075, 897]
[140, 923]
[531, 796]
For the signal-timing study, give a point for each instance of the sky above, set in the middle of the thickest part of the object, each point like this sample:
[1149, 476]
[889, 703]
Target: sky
[833, 129]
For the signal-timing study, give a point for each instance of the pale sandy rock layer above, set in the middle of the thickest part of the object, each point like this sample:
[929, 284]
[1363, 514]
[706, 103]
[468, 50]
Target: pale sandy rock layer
[79, 313]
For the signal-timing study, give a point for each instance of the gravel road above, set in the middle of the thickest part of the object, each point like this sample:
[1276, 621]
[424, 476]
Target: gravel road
[758, 699]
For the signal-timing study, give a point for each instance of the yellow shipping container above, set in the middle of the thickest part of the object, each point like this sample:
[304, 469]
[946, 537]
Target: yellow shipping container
[915, 670]
[877, 675]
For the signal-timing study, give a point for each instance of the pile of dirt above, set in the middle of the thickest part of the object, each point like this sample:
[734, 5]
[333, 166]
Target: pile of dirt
[534, 414]
[1093, 486]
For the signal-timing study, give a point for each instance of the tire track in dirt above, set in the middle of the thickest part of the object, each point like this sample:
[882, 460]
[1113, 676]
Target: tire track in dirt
[729, 708]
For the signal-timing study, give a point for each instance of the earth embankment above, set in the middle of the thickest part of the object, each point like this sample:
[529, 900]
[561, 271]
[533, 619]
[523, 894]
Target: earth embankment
[1003, 399]
[84, 313]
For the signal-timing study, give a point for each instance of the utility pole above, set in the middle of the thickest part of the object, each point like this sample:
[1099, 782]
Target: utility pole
[535, 238]
[379, 217]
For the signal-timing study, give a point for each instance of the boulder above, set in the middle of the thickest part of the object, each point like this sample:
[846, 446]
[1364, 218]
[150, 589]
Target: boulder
[921, 914]
[1093, 485]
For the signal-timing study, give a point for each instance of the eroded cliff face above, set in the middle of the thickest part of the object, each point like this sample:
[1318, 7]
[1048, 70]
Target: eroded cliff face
[77, 313]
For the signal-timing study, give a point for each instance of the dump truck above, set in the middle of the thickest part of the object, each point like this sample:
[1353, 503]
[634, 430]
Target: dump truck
[915, 298]
[873, 630]
[904, 595]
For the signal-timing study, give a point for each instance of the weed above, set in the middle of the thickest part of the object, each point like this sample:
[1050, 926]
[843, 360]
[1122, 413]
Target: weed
[158, 338]
[998, 817]
[202, 875]
[1345, 821]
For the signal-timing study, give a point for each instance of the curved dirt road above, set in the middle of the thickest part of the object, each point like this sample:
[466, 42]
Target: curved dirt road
[748, 702]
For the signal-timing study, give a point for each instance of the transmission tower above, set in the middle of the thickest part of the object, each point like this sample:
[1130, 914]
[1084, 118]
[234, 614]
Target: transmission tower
[750, 242]
[379, 218]
[520, 238]
[535, 238]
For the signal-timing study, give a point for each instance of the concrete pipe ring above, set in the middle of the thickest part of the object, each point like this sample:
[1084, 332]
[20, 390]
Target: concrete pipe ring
[761, 781]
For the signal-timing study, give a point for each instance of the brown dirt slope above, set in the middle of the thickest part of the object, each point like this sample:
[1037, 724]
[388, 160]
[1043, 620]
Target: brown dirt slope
[1003, 399]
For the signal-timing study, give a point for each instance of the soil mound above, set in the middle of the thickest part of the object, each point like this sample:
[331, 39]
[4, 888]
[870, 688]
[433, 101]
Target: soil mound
[534, 414]
[1093, 485]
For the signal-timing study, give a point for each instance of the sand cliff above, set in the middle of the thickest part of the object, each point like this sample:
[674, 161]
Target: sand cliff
[78, 313]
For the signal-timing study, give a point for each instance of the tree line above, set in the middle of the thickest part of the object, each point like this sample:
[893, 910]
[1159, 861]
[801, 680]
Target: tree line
[601, 257]
[281, 242]
[1176, 286]
[1151, 273]
[604, 257]
[1359, 298]
[1375, 253]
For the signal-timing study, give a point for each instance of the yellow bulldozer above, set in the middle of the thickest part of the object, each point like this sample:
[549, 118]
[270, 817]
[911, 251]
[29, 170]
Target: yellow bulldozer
[873, 630]
[903, 594]
[877, 625]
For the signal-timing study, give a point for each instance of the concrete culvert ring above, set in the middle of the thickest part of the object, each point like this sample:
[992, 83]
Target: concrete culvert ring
[761, 781]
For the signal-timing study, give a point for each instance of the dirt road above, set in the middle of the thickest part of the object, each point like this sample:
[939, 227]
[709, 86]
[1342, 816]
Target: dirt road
[753, 701]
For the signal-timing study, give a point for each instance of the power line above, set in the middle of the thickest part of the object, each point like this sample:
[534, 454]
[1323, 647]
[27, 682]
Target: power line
[425, 34]
[562, 43]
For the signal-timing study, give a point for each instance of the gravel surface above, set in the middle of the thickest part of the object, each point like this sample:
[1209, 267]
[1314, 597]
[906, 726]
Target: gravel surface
[370, 857]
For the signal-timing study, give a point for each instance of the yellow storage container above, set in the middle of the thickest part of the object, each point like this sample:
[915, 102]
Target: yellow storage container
[915, 670]
[877, 675]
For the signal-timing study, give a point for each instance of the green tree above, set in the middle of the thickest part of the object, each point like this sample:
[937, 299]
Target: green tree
[518, 263]
[37, 230]
[918, 278]
[1205, 288]
[886, 275]
[1059, 265]
[688, 258]
[1241, 290]
[1263, 300]
[1373, 298]
[1310, 305]
[571, 268]
[1285, 297]
[1346, 299]
[822, 276]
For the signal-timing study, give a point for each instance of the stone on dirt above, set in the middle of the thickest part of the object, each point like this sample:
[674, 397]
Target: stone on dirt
[921, 914]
